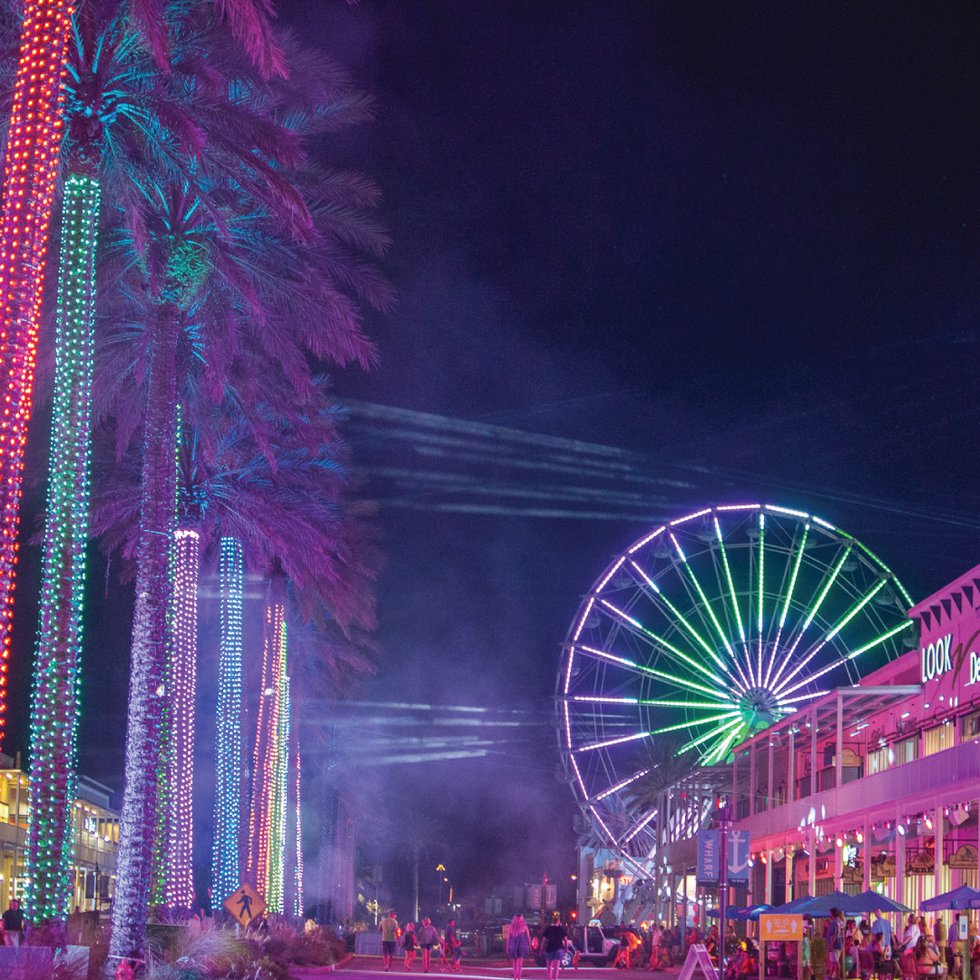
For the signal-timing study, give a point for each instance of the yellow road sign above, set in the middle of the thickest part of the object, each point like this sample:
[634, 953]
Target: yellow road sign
[245, 903]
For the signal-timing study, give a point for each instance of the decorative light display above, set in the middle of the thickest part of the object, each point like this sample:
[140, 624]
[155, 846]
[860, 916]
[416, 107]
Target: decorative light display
[707, 630]
[147, 682]
[265, 756]
[181, 695]
[279, 800]
[297, 769]
[55, 705]
[225, 862]
[30, 168]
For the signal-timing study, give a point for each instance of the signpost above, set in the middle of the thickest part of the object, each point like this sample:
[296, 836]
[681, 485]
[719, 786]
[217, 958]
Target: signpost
[244, 904]
[780, 928]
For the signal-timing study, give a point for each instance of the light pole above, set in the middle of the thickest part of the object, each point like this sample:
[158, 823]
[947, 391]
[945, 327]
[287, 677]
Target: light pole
[440, 871]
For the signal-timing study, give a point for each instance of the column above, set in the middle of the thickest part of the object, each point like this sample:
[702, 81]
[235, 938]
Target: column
[839, 755]
[866, 856]
[899, 866]
[938, 821]
[753, 780]
[791, 769]
[812, 847]
[813, 756]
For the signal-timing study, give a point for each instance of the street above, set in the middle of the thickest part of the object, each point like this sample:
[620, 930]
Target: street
[370, 966]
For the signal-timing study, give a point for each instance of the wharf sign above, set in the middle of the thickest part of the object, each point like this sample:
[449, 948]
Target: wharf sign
[939, 659]
[709, 856]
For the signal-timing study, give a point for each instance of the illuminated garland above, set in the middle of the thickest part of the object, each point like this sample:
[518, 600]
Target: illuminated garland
[147, 683]
[54, 711]
[29, 171]
[279, 800]
[298, 905]
[225, 869]
[264, 758]
[181, 694]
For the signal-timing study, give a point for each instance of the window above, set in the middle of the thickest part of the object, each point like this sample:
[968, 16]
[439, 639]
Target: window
[892, 755]
[971, 726]
[936, 739]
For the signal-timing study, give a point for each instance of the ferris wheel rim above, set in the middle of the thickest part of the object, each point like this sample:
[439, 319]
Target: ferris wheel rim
[769, 681]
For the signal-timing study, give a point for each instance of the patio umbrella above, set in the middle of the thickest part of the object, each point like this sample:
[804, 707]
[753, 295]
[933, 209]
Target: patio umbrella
[959, 898]
[821, 905]
[794, 905]
[871, 901]
[751, 912]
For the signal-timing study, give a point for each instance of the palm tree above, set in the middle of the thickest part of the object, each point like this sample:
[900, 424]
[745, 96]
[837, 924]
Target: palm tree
[34, 136]
[116, 106]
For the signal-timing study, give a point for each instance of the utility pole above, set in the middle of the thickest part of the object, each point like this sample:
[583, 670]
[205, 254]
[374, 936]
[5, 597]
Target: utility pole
[724, 825]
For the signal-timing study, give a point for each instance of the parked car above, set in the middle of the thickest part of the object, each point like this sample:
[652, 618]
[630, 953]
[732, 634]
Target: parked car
[589, 945]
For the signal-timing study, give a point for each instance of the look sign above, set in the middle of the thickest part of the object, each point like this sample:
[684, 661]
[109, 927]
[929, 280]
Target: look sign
[940, 658]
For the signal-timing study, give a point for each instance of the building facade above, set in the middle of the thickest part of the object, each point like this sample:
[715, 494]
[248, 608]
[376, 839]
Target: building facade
[96, 834]
[876, 785]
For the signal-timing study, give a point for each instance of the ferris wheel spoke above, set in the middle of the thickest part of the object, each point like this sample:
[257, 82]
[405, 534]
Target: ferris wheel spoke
[831, 633]
[698, 722]
[673, 679]
[658, 598]
[788, 598]
[706, 606]
[854, 654]
[664, 644]
[622, 784]
[623, 841]
[714, 733]
[761, 591]
[613, 741]
[718, 753]
[734, 599]
[814, 609]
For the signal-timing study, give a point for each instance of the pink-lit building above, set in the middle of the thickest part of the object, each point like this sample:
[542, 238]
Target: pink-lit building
[877, 785]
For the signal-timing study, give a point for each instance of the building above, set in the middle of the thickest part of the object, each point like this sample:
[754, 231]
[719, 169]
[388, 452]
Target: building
[96, 831]
[876, 785]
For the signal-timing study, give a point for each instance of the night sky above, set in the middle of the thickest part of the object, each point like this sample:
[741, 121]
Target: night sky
[739, 243]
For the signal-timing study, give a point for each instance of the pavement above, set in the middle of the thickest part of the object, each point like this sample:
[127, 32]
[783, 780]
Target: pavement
[368, 968]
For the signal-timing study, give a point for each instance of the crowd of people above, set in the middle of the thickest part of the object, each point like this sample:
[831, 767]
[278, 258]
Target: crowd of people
[424, 939]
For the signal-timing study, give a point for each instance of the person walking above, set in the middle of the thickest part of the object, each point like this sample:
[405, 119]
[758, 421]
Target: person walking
[555, 940]
[389, 938]
[518, 944]
[428, 939]
[409, 944]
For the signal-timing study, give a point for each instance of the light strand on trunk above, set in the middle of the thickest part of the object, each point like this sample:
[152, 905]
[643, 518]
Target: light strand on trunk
[54, 711]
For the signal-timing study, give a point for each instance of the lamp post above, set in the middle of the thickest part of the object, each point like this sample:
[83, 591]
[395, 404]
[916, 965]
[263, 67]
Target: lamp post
[440, 871]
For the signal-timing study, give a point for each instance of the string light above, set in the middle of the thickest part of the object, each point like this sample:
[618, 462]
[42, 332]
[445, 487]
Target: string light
[265, 756]
[30, 167]
[298, 906]
[54, 711]
[181, 695]
[279, 801]
[225, 871]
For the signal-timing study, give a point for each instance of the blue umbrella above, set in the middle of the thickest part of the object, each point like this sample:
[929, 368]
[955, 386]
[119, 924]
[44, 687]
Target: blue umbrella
[822, 904]
[963, 897]
[794, 905]
[871, 901]
[751, 912]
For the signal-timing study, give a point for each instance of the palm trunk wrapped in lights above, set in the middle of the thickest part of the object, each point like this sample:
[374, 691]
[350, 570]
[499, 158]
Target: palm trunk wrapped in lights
[226, 853]
[279, 800]
[178, 854]
[29, 171]
[264, 757]
[149, 644]
[298, 856]
[55, 704]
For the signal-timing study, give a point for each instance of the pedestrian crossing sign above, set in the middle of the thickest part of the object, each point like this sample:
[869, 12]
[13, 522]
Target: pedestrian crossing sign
[245, 903]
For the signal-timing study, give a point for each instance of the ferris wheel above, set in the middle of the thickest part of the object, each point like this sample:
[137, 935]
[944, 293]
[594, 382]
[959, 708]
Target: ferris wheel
[706, 630]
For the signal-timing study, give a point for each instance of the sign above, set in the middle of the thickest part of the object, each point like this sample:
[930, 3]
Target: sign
[709, 856]
[25, 962]
[698, 964]
[781, 928]
[245, 903]
[964, 857]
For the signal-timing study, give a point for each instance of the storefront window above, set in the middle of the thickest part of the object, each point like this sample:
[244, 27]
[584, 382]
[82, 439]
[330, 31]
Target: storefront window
[971, 726]
[936, 739]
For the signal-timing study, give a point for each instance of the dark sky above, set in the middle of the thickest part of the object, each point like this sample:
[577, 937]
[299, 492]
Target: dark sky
[740, 242]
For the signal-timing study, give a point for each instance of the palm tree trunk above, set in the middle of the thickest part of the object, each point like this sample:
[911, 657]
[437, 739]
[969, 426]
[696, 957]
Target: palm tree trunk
[181, 698]
[30, 168]
[416, 848]
[226, 854]
[54, 710]
[149, 642]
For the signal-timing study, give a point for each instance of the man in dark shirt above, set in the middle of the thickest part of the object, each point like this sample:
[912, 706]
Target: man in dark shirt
[554, 940]
[13, 924]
